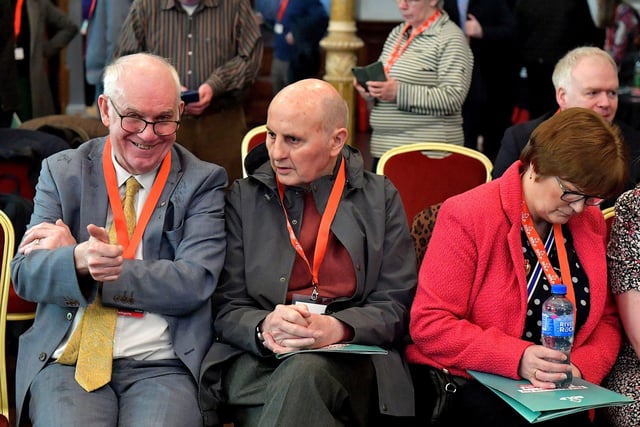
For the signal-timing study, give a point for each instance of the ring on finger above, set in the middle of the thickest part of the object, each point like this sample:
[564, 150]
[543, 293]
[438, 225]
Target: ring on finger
[36, 242]
[535, 374]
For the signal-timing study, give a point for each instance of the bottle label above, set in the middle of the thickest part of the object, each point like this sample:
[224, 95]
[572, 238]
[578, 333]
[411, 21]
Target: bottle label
[557, 326]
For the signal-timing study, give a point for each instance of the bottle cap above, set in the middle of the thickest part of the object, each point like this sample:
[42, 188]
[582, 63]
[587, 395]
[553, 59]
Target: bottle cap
[558, 288]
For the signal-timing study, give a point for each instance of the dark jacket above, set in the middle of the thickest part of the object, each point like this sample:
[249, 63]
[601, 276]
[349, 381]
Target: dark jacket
[517, 136]
[370, 223]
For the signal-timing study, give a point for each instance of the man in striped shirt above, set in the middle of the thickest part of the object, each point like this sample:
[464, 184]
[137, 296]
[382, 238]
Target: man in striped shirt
[216, 47]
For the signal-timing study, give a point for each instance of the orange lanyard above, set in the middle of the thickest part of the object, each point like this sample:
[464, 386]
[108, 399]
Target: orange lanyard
[323, 231]
[283, 7]
[17, 18]
[399, 50]
[116, 204]
[541, 253]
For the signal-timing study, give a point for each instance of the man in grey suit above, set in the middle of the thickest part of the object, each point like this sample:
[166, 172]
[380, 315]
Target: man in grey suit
[160, 279]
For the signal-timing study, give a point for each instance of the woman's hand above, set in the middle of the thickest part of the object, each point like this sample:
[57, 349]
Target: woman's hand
[544, 367]
[385, 91]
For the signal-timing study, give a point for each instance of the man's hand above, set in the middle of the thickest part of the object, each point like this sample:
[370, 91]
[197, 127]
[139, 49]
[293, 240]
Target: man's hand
[97, 257]
[197, 108]
[46, 236]
[293, 327]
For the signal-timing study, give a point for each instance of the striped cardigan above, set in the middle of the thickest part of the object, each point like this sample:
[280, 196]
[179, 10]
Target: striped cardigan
[433, 75]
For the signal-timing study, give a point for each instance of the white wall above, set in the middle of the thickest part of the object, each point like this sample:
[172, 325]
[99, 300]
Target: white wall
[377, 10]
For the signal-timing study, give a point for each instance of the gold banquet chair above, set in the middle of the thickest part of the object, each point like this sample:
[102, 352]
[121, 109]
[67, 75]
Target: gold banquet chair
[252, 139]
[426, 174]
[7, 242]
[609, 215]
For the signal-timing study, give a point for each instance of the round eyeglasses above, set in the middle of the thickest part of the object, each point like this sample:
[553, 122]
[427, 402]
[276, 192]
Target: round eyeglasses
[570, 196]
[138, 125]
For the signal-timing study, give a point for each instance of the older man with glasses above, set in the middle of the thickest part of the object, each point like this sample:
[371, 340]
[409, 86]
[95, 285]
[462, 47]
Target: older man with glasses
[139, 265]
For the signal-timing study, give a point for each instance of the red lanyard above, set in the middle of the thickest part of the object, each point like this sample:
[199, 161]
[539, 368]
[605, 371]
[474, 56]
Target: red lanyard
[323, 231]
[17, 18]
[116, 204]
[399, 50]
[283, 7]
[541, 253]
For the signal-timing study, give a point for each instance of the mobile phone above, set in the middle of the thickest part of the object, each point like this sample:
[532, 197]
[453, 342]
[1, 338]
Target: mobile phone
[371, 72]
[189, 96]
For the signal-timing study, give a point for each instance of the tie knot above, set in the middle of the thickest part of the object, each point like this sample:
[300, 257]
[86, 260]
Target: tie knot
[132, 187]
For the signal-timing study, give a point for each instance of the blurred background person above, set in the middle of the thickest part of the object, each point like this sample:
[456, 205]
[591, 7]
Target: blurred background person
[103, 31]
[8, 82]
[547, 29]
[622, 35]
[298, 28]
[41, 30]
[490, 28]
[217, 48]
[481, 286]
[428, 65]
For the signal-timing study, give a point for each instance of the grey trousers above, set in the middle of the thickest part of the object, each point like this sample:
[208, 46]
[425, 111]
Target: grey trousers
[140, 394]
[305, 389]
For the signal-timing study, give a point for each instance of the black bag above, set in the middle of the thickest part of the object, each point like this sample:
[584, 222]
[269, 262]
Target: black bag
[445, 386]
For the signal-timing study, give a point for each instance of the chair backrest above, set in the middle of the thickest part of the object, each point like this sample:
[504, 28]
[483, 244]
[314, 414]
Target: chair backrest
[7, 242]
[609, 215]
[253, 138]
[426, 174]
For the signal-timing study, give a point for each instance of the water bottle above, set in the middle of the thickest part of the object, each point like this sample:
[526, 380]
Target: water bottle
[557, 325]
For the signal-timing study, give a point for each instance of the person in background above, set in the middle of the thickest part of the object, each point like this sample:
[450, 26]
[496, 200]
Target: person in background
[103, 30]
[585, 77]
[42, 30]
[318, 253]
[490, 28]
[622, 36]
[217, 48]
[428, 65]
[481, 286]
[89, 270]
[298, 28]
[546, 31]
[8, 71]
[622, 254]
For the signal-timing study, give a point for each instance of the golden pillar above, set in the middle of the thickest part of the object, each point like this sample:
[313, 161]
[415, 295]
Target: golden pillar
[341, 45]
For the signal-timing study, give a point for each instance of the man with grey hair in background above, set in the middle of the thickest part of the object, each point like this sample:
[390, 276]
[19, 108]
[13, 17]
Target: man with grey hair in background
[585, 77]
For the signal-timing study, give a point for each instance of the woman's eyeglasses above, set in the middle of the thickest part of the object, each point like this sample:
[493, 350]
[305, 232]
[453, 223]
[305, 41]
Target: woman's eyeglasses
[570, 196]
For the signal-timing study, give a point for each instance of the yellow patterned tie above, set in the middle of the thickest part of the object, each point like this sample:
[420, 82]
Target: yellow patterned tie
[91, 345]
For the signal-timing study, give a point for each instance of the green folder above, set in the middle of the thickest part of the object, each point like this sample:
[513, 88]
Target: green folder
[339, 348]
[536, 404]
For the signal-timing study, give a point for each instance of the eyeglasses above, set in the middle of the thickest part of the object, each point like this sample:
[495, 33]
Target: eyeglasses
[573, 196]
[138, 125]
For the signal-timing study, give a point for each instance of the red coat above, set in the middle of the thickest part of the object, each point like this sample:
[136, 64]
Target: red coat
[470, 305]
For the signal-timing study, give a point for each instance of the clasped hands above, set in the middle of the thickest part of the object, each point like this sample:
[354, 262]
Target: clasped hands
[544, 366]
[96, 256]
[293, 327]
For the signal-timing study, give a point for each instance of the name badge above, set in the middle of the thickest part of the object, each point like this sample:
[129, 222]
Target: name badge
[278, 28]
[319, 306]
[138, 314]
[18, 54]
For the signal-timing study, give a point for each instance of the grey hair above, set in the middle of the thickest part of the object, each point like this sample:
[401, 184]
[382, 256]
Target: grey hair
[119, 66]
[564, 68]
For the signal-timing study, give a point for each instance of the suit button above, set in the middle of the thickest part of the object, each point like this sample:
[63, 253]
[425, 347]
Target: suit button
[42, 357]
[69, 316]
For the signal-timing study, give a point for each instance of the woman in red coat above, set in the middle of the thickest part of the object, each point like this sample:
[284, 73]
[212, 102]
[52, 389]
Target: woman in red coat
[480, 291]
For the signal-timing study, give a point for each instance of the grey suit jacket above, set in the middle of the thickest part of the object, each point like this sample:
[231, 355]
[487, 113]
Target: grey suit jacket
[184, 245]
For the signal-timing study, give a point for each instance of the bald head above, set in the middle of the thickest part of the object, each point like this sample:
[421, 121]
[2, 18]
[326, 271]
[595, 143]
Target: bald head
[314, 98]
